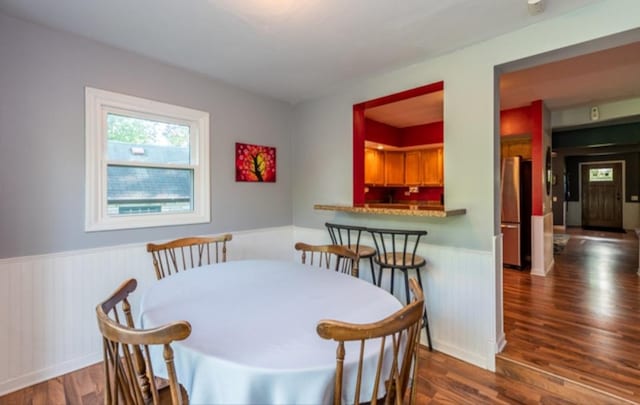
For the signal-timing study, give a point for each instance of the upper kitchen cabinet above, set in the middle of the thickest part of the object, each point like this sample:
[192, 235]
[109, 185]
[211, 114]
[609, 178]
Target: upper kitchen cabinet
[432, 166]
[394, 168]
[516, 146]
[408, 127]
[412, 168]
[373, 167]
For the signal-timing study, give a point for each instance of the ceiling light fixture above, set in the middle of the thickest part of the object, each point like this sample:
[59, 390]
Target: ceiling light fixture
[535, 6]
[262, 12]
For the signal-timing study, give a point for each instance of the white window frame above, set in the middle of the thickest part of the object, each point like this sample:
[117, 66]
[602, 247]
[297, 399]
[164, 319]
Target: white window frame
[100, 102]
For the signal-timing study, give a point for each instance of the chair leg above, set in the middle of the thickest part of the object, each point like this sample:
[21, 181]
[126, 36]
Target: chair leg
[393, 271]
[425, 318]
[380, 276]
[406, 286]
[373, 273]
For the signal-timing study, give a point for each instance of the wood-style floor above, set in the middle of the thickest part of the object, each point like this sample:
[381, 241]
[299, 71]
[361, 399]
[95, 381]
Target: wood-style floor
[582, 321]
[441, 380]
[577, 327]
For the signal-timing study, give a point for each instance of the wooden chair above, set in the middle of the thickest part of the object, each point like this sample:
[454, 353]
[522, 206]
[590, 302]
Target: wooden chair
[396, 250]
[186, 253]
[334, 257]
[129, 376]
[349, 237]
[402, 331]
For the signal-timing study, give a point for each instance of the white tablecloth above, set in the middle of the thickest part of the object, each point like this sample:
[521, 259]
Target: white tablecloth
[254, 337]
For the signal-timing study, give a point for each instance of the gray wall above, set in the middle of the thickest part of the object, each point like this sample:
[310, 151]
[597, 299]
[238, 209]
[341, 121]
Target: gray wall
[42, 78]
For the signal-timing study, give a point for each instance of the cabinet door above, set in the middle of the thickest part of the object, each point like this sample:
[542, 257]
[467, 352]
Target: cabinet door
[522, 148]
[432, 167]
[373, 166]
[412, 168]
[394, 168]
[519, 147]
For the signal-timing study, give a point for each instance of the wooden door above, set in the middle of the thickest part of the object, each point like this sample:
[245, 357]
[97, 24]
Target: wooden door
[394, 168]
[602, 195]
[373, 166]
[432, 167]
[412, 168]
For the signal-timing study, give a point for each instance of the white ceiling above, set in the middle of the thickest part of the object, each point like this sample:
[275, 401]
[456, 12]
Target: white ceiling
[409, 112]
[291, 50]
[608, 75]
[594, 78]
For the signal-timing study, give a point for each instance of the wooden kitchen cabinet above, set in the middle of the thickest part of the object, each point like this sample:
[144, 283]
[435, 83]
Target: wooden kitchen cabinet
[394, 168]
[432, 167]
[413, 168]
[373, 166]
[516, 147]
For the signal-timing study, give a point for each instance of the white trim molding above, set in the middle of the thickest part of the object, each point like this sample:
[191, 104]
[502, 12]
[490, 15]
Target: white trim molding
[99, 103]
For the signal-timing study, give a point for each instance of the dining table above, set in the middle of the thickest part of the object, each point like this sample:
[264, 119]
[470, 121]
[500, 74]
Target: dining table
[254, 338]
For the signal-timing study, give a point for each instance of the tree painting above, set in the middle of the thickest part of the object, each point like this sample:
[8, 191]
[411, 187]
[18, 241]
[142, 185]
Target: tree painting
[255, 163]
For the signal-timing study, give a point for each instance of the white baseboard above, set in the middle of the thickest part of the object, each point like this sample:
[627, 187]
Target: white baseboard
[56, 370]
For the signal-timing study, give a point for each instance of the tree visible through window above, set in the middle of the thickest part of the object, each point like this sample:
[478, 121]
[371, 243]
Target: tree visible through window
[147, 163]
[149, 143]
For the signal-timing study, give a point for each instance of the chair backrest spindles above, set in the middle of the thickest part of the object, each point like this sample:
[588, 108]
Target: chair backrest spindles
[334, 257]
[401, 331]
[129, 375]
[388, 243]
[183, 254]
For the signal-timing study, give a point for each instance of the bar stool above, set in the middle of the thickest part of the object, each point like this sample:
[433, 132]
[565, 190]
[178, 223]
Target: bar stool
[349, 236]
[396, 250]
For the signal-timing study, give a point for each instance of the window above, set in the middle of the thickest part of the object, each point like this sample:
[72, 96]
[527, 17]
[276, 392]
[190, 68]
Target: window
[602, 174]
[147, 163]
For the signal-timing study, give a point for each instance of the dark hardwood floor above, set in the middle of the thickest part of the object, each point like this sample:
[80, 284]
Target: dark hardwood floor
[582, 321]
[573, 338]
[441, 380]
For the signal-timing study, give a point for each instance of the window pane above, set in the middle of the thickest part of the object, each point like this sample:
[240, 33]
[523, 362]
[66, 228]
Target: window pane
[602, 174]
[140, 140]
[141, 190]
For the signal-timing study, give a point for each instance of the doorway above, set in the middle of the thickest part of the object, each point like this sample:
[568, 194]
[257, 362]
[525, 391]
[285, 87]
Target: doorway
[601, 195]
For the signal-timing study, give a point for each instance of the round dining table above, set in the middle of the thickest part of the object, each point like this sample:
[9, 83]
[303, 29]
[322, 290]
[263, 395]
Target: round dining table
[254, 339]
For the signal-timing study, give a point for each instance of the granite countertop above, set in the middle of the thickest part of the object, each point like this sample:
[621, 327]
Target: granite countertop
[418, 210]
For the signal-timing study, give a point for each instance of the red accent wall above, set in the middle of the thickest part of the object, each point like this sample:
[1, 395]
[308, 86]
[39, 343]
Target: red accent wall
[382, 133]
[358, 153]
[359, 131]
[536, 157]
[422, 134]
[403, 95]
[516, 121]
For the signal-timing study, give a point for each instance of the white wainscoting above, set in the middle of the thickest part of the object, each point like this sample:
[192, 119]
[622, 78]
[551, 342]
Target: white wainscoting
[47, 302]
[542, 244]
[459, 286]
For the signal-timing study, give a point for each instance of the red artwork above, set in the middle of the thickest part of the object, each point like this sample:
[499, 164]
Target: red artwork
[255, 163]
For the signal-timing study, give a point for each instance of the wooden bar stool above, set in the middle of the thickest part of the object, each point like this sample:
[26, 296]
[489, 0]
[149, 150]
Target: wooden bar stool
[396, 250]
[349, 237]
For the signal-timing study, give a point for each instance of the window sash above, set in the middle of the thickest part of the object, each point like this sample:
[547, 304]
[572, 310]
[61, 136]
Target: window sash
[98, 104]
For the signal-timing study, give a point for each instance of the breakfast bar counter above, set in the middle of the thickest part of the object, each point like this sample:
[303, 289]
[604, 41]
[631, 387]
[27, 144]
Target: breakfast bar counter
[417, 210]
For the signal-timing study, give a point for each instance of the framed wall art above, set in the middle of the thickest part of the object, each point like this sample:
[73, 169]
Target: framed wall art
[255, 163]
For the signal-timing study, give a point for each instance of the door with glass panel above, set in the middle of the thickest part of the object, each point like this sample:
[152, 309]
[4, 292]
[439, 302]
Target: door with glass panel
[602, 195]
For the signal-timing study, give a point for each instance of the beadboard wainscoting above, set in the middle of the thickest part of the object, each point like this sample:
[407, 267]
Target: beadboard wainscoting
[47, 302]
[542, 244]
[459, 287]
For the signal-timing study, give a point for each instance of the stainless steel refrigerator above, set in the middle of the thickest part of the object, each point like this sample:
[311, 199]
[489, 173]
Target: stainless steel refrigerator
[515, 189]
